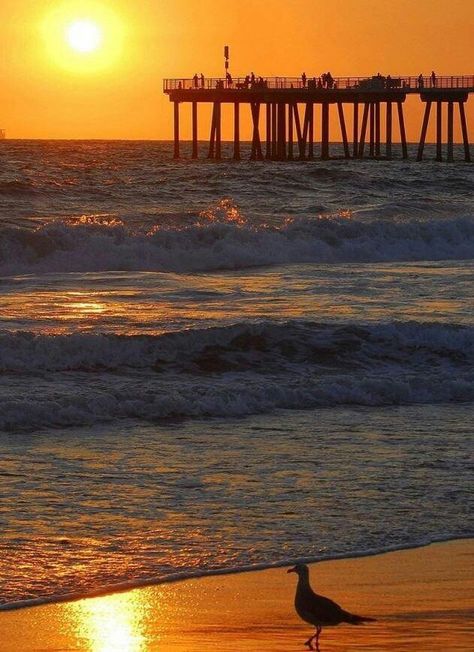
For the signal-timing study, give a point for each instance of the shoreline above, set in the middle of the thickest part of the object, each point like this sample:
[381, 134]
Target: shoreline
[421, 597]
[179, 577]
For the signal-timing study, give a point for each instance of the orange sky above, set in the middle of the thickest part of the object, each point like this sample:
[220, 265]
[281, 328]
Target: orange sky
[49, 92]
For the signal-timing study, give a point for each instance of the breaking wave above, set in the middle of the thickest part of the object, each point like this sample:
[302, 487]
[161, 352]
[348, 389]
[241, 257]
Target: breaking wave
[230, 371]
[205, 244]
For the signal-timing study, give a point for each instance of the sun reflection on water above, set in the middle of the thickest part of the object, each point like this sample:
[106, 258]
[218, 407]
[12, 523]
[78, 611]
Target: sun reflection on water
[114, 623]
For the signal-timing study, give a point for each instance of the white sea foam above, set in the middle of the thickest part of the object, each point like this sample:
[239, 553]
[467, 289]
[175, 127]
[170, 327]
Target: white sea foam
[230, 243]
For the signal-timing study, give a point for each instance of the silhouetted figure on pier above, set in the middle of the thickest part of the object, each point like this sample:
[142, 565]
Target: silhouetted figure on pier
[228, 79]
[303, 79]
[202, 80]
[196, 81]
[329, 80]
[421, 82]
[252, 78]
[433, 79]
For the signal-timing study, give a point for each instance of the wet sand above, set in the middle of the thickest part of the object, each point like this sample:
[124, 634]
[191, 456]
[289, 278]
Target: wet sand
[423, 599]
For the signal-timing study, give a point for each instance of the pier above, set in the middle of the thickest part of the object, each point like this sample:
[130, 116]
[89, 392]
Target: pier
[283, 112]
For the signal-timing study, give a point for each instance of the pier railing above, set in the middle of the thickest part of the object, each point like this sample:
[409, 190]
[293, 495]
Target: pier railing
[376, 82]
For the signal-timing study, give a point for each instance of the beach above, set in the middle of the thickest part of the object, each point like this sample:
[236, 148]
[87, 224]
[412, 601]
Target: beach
[422, 600]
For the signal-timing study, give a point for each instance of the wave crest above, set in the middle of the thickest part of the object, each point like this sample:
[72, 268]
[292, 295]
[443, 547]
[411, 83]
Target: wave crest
[230, 371]
[223, 239]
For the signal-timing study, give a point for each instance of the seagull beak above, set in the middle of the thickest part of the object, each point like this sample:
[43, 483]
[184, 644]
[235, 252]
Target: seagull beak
[291, 570]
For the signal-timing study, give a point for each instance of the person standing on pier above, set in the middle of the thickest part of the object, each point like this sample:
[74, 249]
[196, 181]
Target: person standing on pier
[420, 81]
[195, 81]
[433, 79]
[202, 80]
[303, 79]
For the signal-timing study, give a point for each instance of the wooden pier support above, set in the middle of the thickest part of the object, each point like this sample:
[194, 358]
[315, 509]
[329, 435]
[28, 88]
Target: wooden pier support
[342, 124]
[439, 130]
[372, 129]
[325, 131]
[268, 129]
[377, 129]
[236, 131]
[256, 152]
[388, 130]
[281, 131]
[363, 129]
[290, 131]
[450, 156]
[403, 137]
[215, 145]
[274, 131]
[441, 97]
[424, 128]
[465, 138]
[176, 130]
[299, 134]
[195, 130]
[355, 130]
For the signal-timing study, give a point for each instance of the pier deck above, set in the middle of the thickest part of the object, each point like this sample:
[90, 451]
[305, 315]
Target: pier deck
[289, 104]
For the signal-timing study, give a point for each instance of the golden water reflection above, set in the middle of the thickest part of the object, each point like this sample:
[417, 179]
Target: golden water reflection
[114, 623]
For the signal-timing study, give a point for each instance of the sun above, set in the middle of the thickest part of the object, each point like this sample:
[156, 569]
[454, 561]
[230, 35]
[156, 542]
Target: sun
[84, 36]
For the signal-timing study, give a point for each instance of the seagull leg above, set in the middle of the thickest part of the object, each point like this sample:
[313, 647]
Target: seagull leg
[309, 642]
[318, 632]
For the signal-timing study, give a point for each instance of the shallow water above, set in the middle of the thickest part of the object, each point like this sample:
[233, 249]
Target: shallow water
[211, 366]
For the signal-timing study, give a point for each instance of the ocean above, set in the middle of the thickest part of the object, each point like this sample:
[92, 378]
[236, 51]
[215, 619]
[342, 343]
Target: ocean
[216, 366]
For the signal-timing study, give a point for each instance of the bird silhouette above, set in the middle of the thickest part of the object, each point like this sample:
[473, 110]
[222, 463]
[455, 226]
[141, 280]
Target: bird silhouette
[318, 610]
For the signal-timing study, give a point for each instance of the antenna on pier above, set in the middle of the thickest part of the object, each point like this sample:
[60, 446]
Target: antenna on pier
[226, 58]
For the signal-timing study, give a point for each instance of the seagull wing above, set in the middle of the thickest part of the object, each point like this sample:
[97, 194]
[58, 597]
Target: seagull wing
[316, 608]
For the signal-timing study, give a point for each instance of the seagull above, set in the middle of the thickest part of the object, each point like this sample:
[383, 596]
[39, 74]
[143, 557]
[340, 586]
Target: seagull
[318, 610]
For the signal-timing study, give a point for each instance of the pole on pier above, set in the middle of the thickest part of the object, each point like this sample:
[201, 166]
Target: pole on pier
[462, 115]
[236, 131]
[388, 130]
[176, 130]
[342, 122]
[377, 129]
[355, 130]
[290, 131]
[363, 129]
[195, 130]
[268, 127]
[325, 131]
[403, 136]
[439, 130]
[424, 129]
[450, 131]
[256, 152]
[372, 130]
